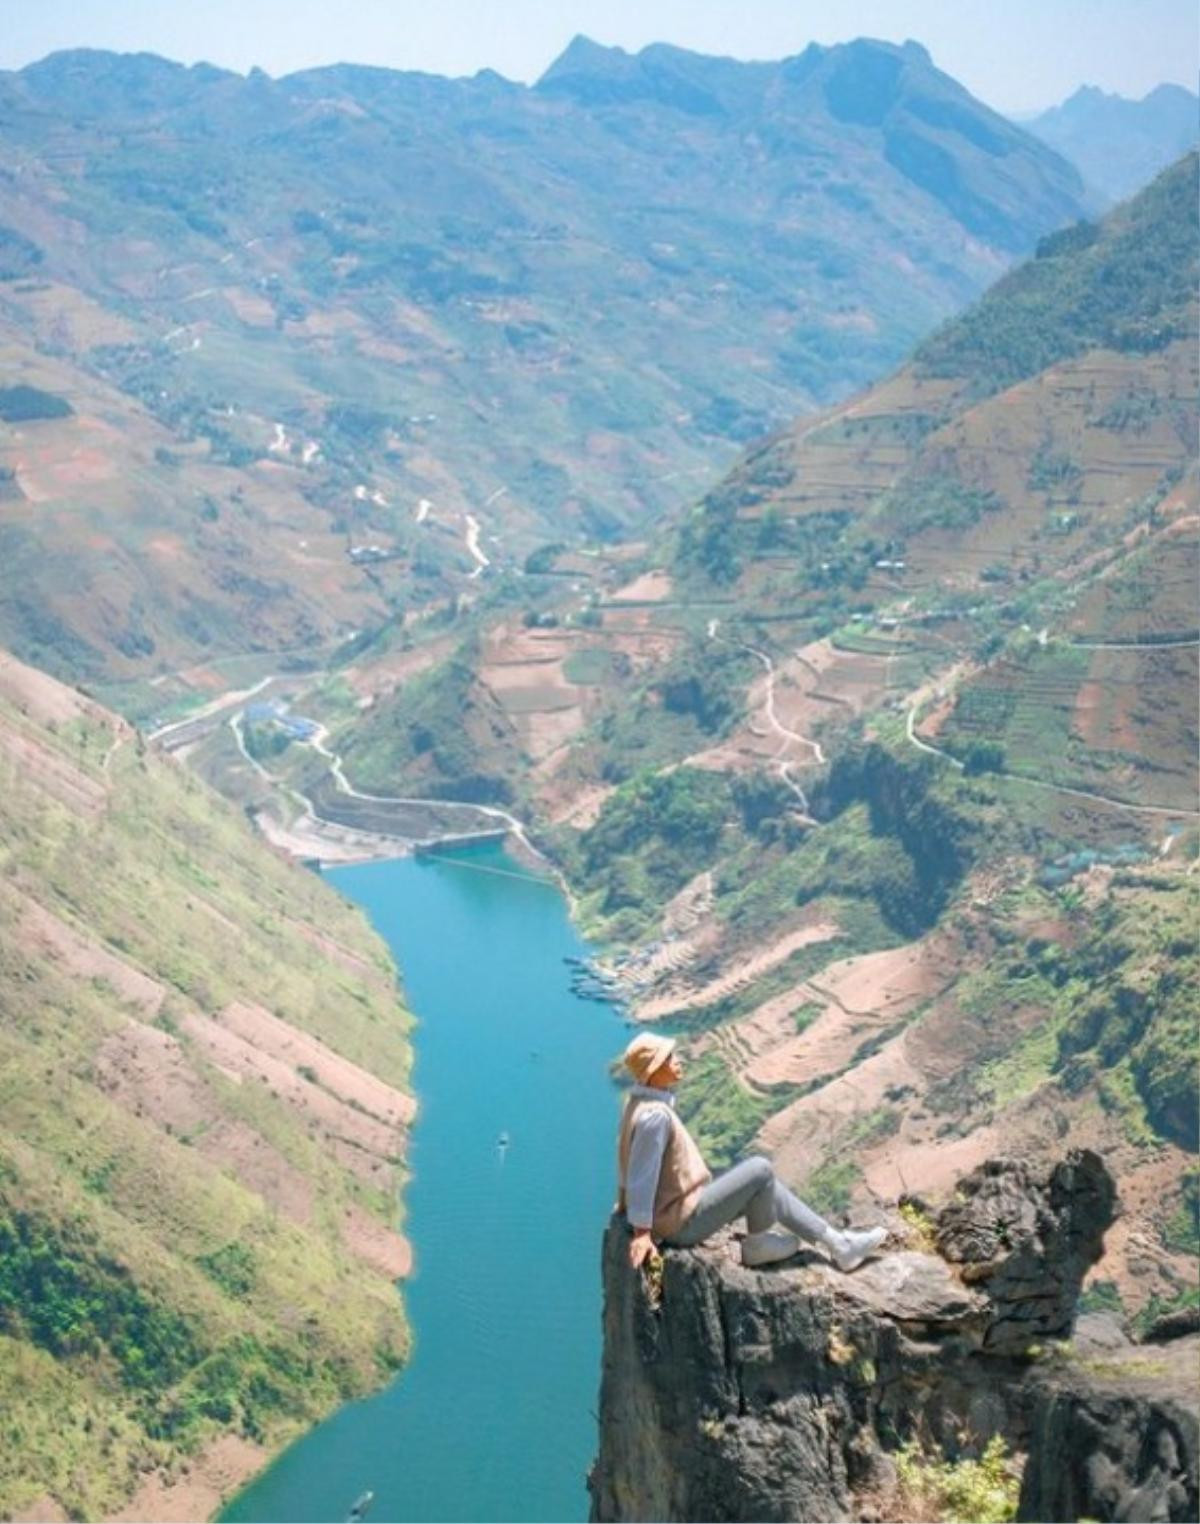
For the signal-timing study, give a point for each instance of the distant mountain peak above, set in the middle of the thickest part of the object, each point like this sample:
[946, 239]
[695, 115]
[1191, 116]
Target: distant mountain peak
[146, 81]
[582, 55]
[106, 62]
[1118, 143]
[1095, 95]
[591, 74]
[1168, 91]
[916, 49]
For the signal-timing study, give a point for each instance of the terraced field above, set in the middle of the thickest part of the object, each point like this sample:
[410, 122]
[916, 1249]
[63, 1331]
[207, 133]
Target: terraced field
[1120, 722]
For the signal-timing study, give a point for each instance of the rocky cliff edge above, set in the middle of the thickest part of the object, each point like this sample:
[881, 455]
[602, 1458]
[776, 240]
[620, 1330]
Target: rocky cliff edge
[783, 1394]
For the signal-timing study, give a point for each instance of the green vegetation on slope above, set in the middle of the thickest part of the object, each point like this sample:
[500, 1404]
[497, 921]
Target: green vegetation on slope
[932, 822]
[181, 1241]
[654, 834]
[1127, 283]
[722, 1114]
[1139, 970]
[1109, 1004]
[690, 702]
[440, 736]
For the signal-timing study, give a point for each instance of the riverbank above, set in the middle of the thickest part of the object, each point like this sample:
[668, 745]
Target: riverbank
[211, 1478]
[491, 1418]
[309, 838]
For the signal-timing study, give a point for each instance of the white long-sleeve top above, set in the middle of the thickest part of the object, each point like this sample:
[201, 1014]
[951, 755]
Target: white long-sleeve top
[647, 1143]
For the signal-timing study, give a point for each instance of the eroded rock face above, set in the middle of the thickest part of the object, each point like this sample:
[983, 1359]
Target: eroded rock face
[777, 1394]
[1030, 1237]
[1118, 1447]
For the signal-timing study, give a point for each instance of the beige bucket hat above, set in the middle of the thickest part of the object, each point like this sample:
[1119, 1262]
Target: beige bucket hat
[647, 1052]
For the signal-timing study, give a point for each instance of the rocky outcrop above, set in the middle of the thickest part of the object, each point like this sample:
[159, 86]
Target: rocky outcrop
[778, 1394]
[1029, 1237]
[1116, 1437]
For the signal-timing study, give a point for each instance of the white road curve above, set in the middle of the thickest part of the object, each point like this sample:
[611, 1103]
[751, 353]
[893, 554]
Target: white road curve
[787, 736]
[492, 812]
[932, 751]
[473, 546]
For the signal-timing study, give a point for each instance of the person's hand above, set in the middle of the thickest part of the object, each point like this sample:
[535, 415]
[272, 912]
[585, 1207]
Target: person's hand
[641, 1247]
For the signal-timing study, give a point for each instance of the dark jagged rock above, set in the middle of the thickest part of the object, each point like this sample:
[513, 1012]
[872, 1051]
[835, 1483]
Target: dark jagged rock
[1116, 1438]
[1031, 1238]
[737, 1394]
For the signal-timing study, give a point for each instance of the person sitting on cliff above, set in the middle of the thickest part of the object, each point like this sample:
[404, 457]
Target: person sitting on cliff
[669, 1193]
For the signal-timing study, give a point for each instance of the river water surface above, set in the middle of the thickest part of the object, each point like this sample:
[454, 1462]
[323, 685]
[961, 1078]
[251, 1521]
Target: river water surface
[493, 1416]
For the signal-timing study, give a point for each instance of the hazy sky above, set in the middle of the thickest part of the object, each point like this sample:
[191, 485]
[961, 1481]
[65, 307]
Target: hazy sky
[1018, 55]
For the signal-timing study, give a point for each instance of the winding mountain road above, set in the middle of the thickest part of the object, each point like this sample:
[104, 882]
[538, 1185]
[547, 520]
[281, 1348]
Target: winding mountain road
[492, 812]
[210, 710]
[787, 736]
[473, 546]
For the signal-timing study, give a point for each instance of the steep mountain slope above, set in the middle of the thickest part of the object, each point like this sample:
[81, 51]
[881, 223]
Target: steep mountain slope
[1119, 145]
[1033, 466]
[882, 786]
[128, 551]
[423, 325]
[198, 1150]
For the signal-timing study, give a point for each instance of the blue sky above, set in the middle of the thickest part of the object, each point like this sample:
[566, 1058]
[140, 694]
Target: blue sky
[1018, 55]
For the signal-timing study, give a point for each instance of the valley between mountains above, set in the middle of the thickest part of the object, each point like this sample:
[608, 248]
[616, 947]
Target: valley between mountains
[765, 496]
[876, 775]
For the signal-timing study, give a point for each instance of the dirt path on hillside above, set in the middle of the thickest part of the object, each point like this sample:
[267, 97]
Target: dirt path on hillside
[84, 958]
[787, 737]
[1054, 788]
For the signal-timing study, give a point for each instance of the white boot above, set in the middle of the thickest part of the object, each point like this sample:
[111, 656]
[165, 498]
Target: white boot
[848, 1250]
[768, 1247]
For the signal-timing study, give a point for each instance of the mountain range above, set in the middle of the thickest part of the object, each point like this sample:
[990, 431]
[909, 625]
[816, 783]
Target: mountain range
[1118, 145]
[294, 337]
[397, 420]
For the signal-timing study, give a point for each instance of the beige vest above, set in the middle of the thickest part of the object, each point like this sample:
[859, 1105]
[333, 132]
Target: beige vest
[682, 1177]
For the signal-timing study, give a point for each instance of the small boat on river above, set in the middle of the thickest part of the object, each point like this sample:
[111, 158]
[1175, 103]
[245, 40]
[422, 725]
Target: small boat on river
[362, 1506]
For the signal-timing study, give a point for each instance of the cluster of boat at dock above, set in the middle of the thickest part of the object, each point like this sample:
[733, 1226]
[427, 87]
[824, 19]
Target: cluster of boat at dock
[590, 980]
[622, 979]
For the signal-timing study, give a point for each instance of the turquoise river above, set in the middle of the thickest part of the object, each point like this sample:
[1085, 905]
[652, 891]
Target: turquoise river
[493, 1417]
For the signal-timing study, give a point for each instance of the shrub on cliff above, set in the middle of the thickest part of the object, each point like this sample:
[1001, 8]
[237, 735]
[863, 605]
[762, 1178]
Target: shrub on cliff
[930, 1487]
[653, 834]
[1140, 966]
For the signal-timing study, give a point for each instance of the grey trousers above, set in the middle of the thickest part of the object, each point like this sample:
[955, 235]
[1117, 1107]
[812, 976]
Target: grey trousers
[750, 1189]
